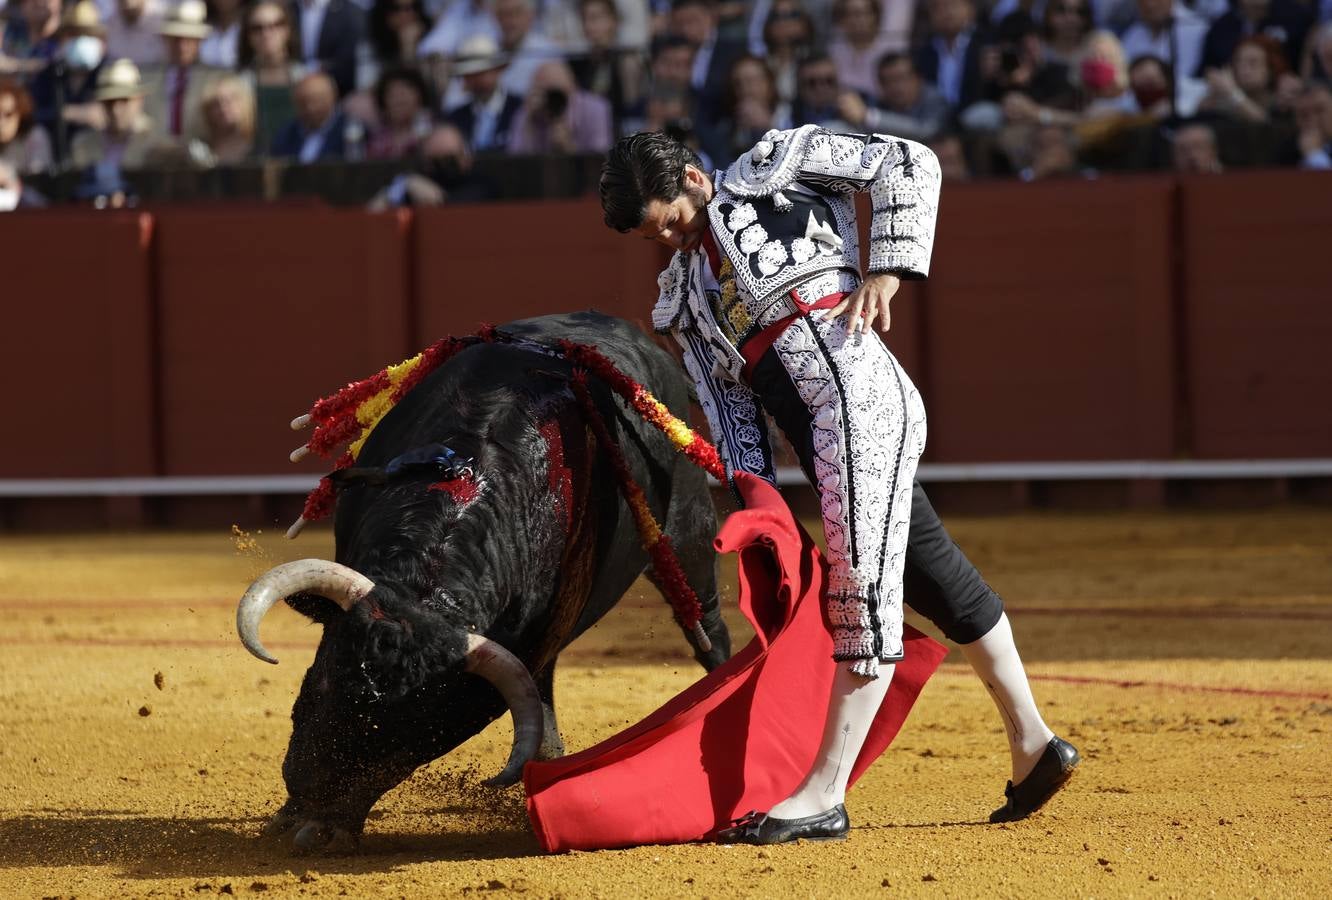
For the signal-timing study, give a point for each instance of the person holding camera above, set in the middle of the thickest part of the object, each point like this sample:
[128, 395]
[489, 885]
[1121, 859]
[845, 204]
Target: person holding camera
[559, 117]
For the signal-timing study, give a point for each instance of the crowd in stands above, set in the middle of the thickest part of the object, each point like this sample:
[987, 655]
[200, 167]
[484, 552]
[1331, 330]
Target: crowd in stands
[1026, 88]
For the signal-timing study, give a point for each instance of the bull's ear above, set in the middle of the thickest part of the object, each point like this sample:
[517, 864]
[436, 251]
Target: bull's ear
[315, 607]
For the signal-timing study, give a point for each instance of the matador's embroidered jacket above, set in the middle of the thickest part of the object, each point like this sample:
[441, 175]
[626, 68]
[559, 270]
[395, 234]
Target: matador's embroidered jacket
[784, 222]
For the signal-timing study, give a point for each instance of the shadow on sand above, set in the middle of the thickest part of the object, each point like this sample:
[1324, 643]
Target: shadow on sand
[143, 846]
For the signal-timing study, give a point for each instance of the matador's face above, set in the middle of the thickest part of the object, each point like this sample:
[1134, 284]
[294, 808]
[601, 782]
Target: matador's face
[680, 223]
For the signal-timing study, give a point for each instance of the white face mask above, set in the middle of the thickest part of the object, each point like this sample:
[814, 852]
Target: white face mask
[84, 52]
[8, 199]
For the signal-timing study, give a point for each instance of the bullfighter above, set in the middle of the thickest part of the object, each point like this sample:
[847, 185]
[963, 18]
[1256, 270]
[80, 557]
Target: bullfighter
[766, 298]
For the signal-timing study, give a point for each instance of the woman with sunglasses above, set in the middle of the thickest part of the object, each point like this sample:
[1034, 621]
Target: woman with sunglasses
[268, 61]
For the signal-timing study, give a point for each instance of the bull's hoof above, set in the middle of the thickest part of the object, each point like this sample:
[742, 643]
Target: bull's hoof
[317, 837]
[281, 825]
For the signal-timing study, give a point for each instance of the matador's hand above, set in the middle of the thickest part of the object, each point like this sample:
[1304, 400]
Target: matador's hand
[868, 302]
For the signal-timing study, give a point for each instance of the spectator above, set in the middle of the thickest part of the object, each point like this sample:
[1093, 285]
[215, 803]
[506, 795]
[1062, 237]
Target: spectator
[1152, 86]
[858, 43]
[229, 121]
[1024, 68]
[133, 32]
[606, 68]
[527, 48]
[26, 50]
[397, 29]
[1313, 121]
[175, 91]
[559, 117]
[1066, 24]
[14, 194]
[696, 21]
[221, 48]
[817, 91]
[330, 31]
[1053, 154]
[63, 93]
[1317, 62]
[444, 175]
[672, 63]
[459, 21]
[24, 144]
[1194, 149]
[951, 57]
[1246, 89]
[1102, 75]
[788, 37]
[908, 107]
[403, 102]
[486, 119]
[750, 108]
[319, 132]
[268, 60]
[952, 156]
[1169, 30]
[1284, 21]
[127, 141]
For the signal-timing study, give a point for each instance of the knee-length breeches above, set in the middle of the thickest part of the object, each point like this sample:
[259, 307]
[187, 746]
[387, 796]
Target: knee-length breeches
[864, 431]
[831, 394]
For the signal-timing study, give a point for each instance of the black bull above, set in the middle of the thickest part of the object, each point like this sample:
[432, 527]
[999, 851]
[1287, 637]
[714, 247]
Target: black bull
[540, 553]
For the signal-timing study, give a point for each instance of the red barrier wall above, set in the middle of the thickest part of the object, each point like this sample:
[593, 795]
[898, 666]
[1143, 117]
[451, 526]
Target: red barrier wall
[1125, 318]
[76, 345]
[1257, 252]
[505, 261]
[262, 312]
[1047, 322]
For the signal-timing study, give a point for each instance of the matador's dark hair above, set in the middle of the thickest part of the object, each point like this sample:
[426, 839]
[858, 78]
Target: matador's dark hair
[641, 168]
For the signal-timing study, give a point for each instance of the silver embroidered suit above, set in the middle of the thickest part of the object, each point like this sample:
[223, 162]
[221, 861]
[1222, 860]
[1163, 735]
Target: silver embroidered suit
[783, 221]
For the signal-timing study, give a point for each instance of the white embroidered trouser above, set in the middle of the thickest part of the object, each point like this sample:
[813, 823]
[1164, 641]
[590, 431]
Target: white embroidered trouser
[867, 425]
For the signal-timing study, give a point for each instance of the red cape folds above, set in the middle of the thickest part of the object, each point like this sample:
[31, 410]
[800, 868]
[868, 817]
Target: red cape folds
[744, 736]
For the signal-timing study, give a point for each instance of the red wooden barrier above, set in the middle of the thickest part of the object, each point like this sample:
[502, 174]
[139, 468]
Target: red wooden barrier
[1047, 322]
[262, 312]
[76, 345]
[1257, 253]
[506, 261]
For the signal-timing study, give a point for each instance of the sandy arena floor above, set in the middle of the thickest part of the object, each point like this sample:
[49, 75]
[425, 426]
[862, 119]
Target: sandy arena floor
[1187, 655]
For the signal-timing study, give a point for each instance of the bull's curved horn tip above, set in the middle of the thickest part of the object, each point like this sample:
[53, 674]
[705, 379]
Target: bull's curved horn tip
[296, 528]
[300, 422]
[300, 453]
[701, 638]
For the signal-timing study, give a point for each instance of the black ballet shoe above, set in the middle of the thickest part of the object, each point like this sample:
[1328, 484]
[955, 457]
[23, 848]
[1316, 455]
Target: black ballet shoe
[1051, 772]
[761, 828]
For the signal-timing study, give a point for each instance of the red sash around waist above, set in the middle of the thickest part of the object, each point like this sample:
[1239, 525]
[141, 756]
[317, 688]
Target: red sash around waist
[754, 348]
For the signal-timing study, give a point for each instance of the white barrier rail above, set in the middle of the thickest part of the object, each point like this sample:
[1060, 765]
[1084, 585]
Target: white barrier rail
[1114, 470]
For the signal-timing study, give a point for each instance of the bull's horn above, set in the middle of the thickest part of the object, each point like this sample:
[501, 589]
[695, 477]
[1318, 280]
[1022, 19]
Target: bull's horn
[300, 422]
[339, 583]
[299, 453]
[511, 678]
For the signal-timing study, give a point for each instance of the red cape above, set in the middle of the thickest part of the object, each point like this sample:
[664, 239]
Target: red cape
[744, 736]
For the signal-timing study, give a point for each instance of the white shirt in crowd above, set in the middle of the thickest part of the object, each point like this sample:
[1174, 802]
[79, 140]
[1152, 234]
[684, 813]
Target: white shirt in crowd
[312, 22]
[952, 66]
[460, 20]
[1180, 43]
[139, 41]
[221, 47]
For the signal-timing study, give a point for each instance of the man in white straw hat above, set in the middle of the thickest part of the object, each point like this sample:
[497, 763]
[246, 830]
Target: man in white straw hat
[487, 117]
[127, 141]
[175, 91]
